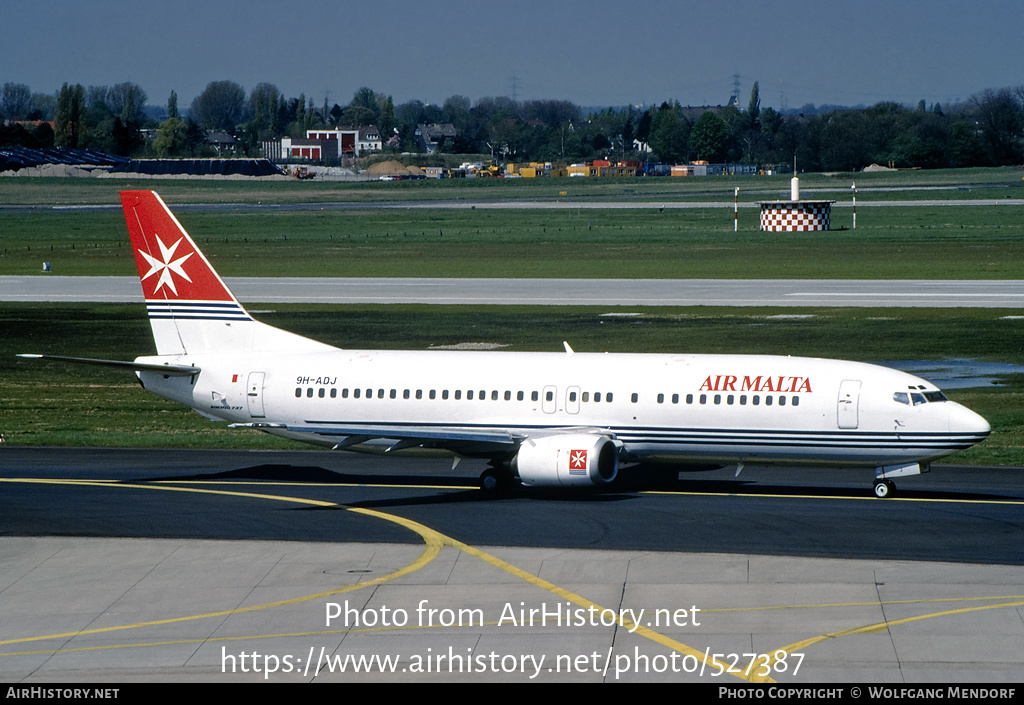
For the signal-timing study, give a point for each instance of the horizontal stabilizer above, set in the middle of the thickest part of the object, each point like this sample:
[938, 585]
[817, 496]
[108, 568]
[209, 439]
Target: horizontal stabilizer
[168, 369]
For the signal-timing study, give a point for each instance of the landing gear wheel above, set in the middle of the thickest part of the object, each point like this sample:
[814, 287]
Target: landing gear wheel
[884, 488]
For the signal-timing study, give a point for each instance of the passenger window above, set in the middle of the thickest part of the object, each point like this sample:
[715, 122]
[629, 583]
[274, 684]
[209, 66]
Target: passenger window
[508, 395]
[533, 396]
[469, 394]
[520, 396]
[608, 398]
[689, 398]
[298, 392]
[796, 401]
[322, 393]
[585, 397]
[675, 398]
[635, 398]
[661, 398]
[309, 392]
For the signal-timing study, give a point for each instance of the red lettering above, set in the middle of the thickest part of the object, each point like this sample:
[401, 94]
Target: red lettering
[760, 383]
[751, 385]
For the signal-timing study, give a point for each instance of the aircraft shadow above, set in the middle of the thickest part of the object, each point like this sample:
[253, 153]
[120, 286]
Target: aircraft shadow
[620, 490]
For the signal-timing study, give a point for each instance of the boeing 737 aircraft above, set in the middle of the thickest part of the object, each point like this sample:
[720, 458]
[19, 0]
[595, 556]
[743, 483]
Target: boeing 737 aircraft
[541, 419]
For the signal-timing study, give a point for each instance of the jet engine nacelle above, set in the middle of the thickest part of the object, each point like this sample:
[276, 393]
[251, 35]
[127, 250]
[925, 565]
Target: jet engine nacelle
[569, 460]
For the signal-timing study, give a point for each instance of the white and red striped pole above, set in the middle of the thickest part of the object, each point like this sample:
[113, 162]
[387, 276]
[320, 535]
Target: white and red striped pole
[736, 212]
[854, 189]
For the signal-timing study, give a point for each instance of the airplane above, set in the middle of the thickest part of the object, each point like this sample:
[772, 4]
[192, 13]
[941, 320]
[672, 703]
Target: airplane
[541, 419]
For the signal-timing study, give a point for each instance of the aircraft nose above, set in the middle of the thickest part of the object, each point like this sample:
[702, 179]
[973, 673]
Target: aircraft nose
[963, 420]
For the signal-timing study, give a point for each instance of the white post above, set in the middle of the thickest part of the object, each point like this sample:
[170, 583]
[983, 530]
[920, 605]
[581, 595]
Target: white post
[736, 212]
[854, 188]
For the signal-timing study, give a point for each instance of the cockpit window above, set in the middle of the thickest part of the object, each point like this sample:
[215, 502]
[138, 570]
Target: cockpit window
[918, 398]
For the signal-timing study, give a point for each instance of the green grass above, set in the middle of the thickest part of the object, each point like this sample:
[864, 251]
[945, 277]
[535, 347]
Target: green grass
[954, 183]
[889, 243]
[55, 404]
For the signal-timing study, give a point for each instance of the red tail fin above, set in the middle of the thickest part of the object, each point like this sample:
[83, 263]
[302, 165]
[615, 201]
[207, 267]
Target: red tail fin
[190, 308]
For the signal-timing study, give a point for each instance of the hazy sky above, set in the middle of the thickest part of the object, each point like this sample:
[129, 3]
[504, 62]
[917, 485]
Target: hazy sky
[591, 52]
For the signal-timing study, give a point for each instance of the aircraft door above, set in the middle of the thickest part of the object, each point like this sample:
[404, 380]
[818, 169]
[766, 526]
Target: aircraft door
[849, 403]
[549, 399]
[254, 395]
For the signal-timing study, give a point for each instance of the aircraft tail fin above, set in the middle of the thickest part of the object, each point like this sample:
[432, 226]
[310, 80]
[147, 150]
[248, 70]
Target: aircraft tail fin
[191, 310]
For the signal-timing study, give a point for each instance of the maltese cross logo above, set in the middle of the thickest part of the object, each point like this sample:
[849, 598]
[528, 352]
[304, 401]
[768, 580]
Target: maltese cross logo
[577, 460]
[167, 266]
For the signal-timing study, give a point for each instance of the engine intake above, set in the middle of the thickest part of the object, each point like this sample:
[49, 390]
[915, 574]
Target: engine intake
[569, 460]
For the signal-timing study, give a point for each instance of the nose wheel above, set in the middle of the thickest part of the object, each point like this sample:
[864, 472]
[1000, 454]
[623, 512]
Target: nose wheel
[884, 488]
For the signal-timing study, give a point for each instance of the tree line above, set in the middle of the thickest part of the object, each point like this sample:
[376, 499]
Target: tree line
[985, 130]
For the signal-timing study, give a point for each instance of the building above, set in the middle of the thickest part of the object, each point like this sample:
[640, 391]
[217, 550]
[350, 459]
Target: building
[429, 138]
[326, 144]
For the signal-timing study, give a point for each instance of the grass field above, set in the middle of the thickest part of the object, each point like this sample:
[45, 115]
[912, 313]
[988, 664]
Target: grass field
[925, 242]
[944, 183]
[42, 403]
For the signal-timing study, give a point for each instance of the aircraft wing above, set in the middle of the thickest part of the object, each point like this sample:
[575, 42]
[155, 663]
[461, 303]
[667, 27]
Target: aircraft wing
[413, 436]
[405, 436]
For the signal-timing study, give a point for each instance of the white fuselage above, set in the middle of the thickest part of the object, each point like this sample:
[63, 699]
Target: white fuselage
[697, 409]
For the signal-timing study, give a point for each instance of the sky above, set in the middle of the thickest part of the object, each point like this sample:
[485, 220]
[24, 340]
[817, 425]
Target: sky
[589, 52]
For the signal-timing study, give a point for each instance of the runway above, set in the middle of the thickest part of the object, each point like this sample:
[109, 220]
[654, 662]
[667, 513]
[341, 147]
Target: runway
[551, 292]
[185, 565]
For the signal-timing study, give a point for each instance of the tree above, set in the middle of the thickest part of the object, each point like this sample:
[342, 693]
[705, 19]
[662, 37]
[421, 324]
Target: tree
[263, 102]
[172, 105]
[15, 101]
[386, 126]
[709, 137]
[670, 133]
[754, 108]
[220, 106]
[1001, 119]
[68, 118]
[171, 138]
[127, 101]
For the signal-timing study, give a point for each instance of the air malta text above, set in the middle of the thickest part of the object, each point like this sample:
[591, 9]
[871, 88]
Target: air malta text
[760, 383]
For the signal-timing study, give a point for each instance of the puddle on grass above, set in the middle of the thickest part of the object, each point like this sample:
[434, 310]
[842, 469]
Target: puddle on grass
[958, 373]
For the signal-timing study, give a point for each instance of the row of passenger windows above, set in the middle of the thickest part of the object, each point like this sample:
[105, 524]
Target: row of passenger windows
[458, 394]
[549, 396]
[730, 399]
